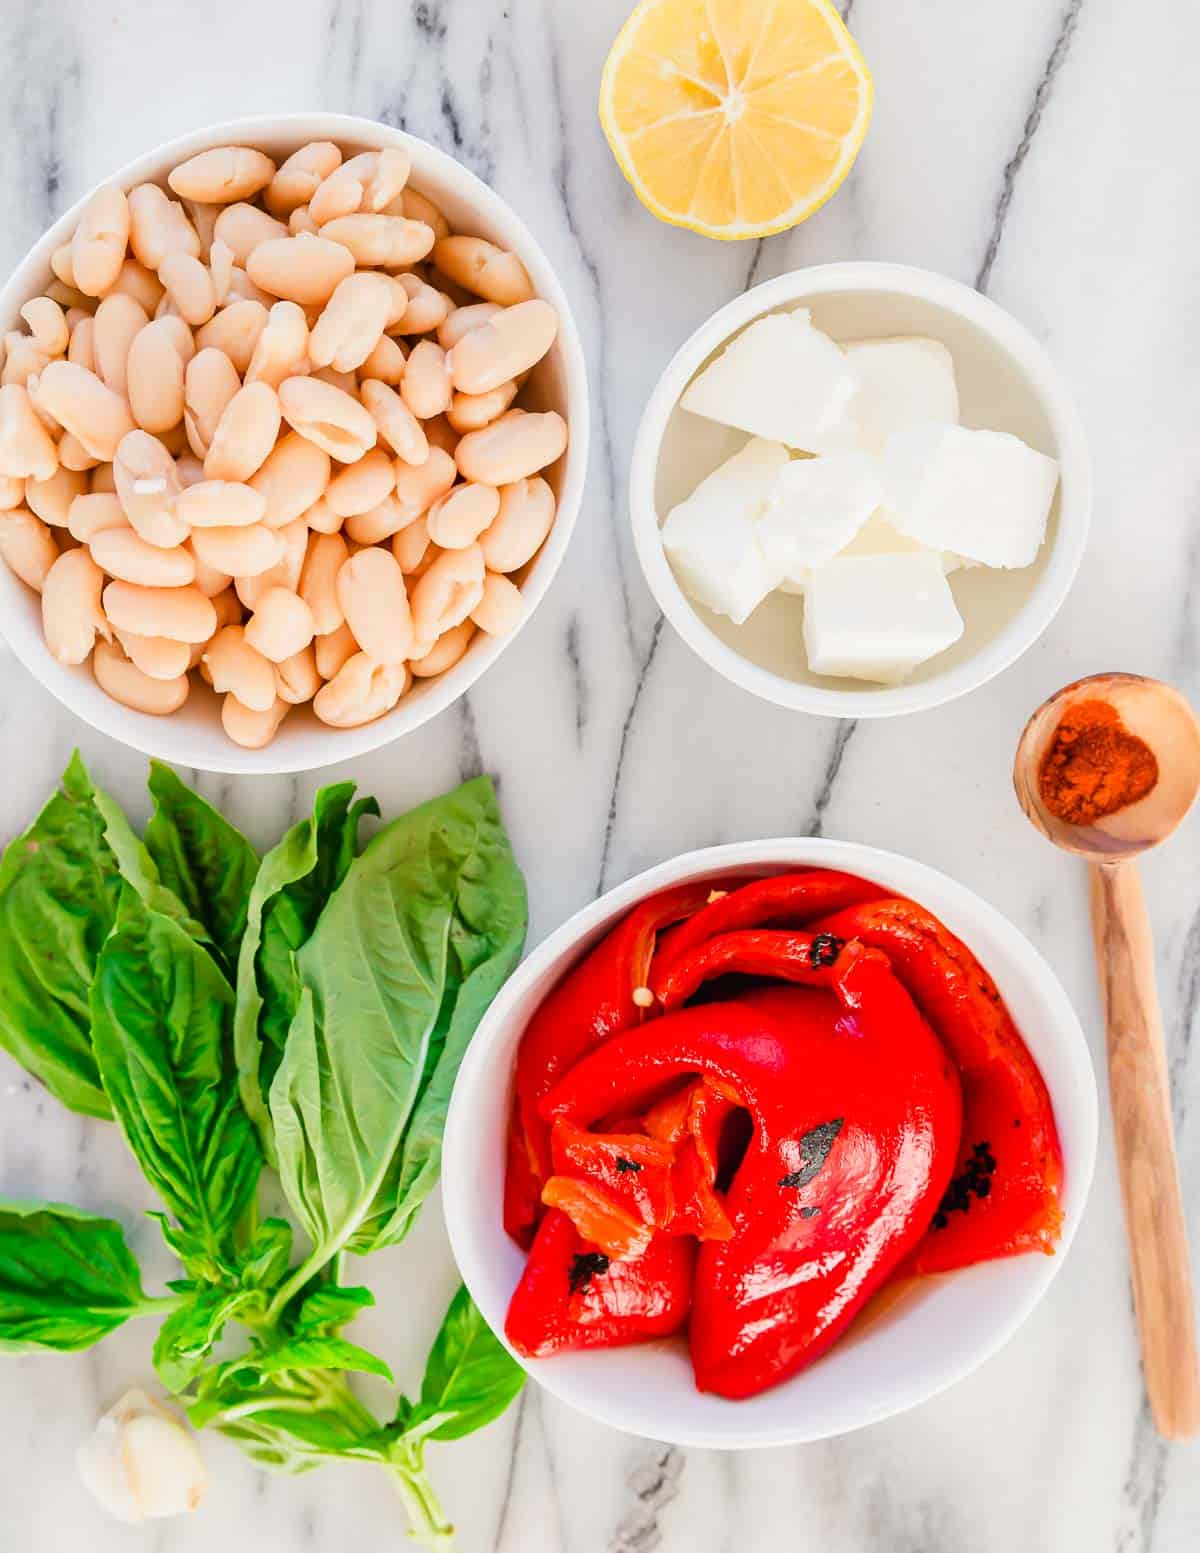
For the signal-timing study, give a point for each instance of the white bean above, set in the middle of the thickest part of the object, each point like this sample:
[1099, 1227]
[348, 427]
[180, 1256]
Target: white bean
[71, 613]
[282, 346]
[322, 519]
[238, 552]
[293, 477]
[51, 499]
[183, 614]
[337, 194]
[286, 571]
[426, 387]
[374, 602]
[327, 554]
[220, 268]
[296, 678]
[126, 683]
[386, 362]
[220, 504]
[447, 593]
[445, 652]
[245, 434]
[526, 516]
[471, 412]
[98, 246]
[299, 178]
[24, 358]
[28, 547]
[155, 377]
[27, 450]
[123, 553]
[210, 381]
[332, 652]
[512, 342]
[223, 174]
[203, 216]
[481, 267]
[351, 323]
[281, 625]
[396, 423]
[136, 281]
[93, 513]
[417, 207]
[427, 307]
[12, 492]
[360, 691]
[458, 519]
[158, 226]
[235, 330]
[510, 449]
[148, 486]
[379, 240]
[418, 488]
[81, 348]
[73, 455]
[500, 609]
[327, 416]
[302, 269]
[85, 407]
[252, 730]
[377, 524]
[363, 485]
[190, 287]
[156, 656]
[411, 545]
[301, 220]
[119, 320]
[242, 227]
[47, 324]
[463, 319]
[236, 666]
[213, 582]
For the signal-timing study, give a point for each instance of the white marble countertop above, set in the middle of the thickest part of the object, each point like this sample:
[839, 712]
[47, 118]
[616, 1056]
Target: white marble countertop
[1042, 149]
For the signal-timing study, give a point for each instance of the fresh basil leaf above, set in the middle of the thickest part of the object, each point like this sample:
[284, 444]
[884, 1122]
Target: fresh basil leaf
[188, 1335]
[203, 859]
[329, 1309]
[265, 1260]
[294, 880]
[375, 975]
[470, 1377]
[290, 1421]
[162, 1018]
[310, 1353]
[67, 1278]
[59, 888]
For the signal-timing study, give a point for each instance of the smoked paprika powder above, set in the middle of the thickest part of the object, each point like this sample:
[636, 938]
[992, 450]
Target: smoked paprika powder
[1094, 766]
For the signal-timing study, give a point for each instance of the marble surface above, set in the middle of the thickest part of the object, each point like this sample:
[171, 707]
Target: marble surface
[1042, 149]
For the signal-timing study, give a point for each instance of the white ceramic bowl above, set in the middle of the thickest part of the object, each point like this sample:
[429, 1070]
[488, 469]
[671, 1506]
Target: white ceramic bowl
[193, 736]
[1006, 382]
[937, 1332]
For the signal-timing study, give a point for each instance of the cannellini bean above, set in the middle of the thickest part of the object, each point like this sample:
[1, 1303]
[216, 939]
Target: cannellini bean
[484, 269]
[100, 240]
[143, 285]
[93, 513]
[245, 434]
[417, 207]
[81, 348]
[220, 504]
[156, 656]
[48, 325]
[103, 478]
[418, 488]
[352, 323]
[427, 307]
[346, 381]
[242, 227]
[281, 625]
[282, 346]
[236, 666]
[322, 519]
[363, 485]
[28, 547]
[327, 554]
[445, 652]
[447, 593]
[296, 678]
[73, 455]
[64, 269]
[85, 407]
[378, 523]
[180, 336]
[235, 330]
[148, 486]
[155, 373]
[526, 516]
[68, 296]
[226, 173]
[441, 434]
[471, 412]
[158, 226]
[12, 492]
[338, 194]
[286, 571]
[334, 650]
[24, 358]
[132, 687]
[220, 269]
[500, 608]
[517, 445]
[299, 178]
[458, 518]
[360, 691]
[27, 450]
[189, 469]
[238, 552]
[228, 608]
[411, 545]
[190, 287]
[119, 320]
[293, 477]
[51, 499]
[203, 216]
[385, 363]
[302, 269]
[374, 601]
[327, 416]
[301, 220]
[183, 614]
[379, 240]
[426, 387]
[210, 381]
[212, 582]
[396, 423]
[243, 288]
[386, 174]
[252, 730]
[512, 342]
[71, 613]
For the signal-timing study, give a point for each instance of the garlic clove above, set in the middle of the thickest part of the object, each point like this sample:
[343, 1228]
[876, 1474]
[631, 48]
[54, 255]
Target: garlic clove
[141, 1463]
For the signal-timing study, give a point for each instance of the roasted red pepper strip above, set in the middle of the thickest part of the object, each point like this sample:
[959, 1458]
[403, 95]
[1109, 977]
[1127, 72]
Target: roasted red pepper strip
[573, 1296]
[805, 958]
[1004, 1198]
[707, 1115]
[615, 1229]
[794, 899]
[634, 1170]
[857, 1114]
[699, 1210]
[593, 1001]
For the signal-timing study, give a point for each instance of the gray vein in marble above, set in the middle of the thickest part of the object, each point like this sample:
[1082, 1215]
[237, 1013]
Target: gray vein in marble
[1144, 1486]
[611, 822]
[470, 757]
[44, 99]
[1187, 1001]
[579, 684]
[1054, 63]
[654, 1481]
[506, 1500]
[843, 733]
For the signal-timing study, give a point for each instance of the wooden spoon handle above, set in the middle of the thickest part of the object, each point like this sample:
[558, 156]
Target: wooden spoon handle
[1145, 1139]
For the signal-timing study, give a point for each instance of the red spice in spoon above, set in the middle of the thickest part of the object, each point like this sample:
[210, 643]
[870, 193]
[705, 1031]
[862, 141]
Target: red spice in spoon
[1094, 766]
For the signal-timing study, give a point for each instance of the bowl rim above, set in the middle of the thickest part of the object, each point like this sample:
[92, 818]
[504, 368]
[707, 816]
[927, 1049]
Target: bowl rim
[780, 854]
[151, 735]
[1075, 501]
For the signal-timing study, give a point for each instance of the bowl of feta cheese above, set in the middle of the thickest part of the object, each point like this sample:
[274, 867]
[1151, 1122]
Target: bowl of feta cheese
[860, 489]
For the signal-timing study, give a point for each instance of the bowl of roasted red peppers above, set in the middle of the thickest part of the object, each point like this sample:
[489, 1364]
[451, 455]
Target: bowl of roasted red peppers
[773, 1141]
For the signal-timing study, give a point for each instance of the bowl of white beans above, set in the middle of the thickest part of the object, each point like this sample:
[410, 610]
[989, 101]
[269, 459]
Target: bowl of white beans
[293, 432]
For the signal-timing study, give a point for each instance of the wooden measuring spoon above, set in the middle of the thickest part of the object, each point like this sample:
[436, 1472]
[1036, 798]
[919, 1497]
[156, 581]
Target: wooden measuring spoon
[1137, 1064]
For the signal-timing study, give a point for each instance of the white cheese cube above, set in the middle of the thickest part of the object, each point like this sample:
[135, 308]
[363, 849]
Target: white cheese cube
[985, 495]
[780, 378]
[902, 382]
[878, 537]
[711, 539]
[877, 617]
[816, 507]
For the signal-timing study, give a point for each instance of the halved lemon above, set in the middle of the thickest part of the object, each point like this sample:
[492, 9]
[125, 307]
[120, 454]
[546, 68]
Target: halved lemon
[736, 118]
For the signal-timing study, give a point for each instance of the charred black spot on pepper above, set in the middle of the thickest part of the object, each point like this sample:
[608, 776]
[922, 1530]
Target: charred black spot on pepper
[973, 1180]
[809, 1213]
[824, 950]
[627, 1166]
[585, 1266]
[814, 1151]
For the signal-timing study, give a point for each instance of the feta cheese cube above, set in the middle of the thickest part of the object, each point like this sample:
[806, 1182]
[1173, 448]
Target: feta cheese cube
[815, 508]
[780, 378]
[878, 537]
[711, 539]
[877, 617]
[902, 382]
[985, 495]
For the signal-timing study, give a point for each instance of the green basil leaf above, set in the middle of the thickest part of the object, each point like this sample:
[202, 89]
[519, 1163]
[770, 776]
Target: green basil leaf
[294, 880]
[375, 973]
[203, 859]
[188, 1335]
[265, 1260]
[290, 1421]
[59, 888]
[329, 1309]
[311, 1353]
[162, 1017]
[67, 1278]
[470, 1377]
